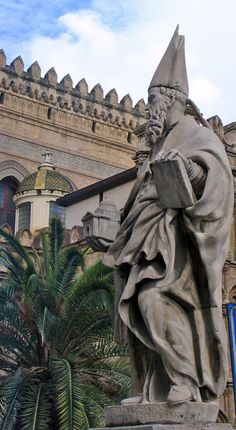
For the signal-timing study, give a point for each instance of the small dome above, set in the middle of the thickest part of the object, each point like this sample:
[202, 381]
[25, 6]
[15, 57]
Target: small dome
[45, 179]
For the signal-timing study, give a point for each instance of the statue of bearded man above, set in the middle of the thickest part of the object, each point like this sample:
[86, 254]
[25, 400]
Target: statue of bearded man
[169, 261]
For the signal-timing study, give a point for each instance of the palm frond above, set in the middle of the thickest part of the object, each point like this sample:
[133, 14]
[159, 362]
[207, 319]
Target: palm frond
[108, 379]
[11, 398]
[46, 325]
[94, 276]
[55, 241]
[18, 249]
[32, 286]
[70, 260]
[70, 408]
[94, 410]
[35, 411]
[45, 247]
[90, 317]
[18, 338]
[14, 266]
[104, 348]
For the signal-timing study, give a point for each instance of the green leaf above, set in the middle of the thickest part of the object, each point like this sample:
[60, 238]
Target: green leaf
[70, 408]
[55, 237]
[70, 260]
[45, 246]
[17, 248]
[11, 396]
[35, 412]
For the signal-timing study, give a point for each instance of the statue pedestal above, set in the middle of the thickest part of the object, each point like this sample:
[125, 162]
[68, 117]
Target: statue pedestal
[212, 426]
[162, 416]
[161, 413]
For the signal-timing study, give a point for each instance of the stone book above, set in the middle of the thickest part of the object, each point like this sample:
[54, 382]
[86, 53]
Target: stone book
[173, 185]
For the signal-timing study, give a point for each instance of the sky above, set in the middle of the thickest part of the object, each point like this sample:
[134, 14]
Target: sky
[119, 44]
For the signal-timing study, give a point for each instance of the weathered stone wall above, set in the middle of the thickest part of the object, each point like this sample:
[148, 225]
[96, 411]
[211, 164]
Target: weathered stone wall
[91, 135]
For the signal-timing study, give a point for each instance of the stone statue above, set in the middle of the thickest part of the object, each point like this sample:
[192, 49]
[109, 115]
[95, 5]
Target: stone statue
[169, 260]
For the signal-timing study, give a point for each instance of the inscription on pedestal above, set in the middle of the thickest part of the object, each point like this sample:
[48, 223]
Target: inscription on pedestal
[212, 426]
[189, 412]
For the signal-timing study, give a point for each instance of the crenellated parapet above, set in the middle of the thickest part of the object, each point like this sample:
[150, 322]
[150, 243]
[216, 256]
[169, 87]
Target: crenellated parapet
[65, 96]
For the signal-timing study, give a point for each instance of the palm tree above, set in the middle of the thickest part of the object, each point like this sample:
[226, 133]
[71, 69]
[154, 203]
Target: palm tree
[59, 363]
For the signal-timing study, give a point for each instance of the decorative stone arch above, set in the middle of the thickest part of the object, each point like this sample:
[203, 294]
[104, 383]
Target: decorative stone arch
[12, 168]
[25, 237]
[232, 294]
[7, 228]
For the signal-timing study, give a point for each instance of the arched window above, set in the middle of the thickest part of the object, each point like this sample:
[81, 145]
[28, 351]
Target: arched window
[8, 188]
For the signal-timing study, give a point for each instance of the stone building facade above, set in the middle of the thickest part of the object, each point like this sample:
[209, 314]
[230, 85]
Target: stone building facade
[90, 134]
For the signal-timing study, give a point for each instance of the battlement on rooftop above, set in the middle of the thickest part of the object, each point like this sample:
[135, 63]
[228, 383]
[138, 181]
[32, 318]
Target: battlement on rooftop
[64, 95]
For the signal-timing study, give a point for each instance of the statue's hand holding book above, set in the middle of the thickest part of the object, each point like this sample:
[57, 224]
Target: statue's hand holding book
[171, 179]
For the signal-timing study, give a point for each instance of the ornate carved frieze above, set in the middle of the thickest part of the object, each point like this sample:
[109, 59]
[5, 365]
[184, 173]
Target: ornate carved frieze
[61, 159]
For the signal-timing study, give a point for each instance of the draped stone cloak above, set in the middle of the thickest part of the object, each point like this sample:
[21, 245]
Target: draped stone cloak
[180, 254]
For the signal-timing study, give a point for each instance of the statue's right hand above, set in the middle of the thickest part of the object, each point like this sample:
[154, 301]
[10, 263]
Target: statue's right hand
[170, 154]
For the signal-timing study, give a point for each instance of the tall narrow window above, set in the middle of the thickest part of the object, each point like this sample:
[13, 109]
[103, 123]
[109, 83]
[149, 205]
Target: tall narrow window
[56, 210]
[129, 137]
[94, 126]
[24, 216]
[2, 98]
[49, 113]
[7, 206]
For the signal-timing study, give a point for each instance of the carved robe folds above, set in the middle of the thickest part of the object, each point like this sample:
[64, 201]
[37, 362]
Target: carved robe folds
[169, 265]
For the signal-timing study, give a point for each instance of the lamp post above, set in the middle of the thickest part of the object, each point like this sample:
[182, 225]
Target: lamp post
[231, 313]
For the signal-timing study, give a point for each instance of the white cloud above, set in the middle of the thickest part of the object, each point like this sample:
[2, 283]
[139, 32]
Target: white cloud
[204, 91]
[88, 48]
[120, 43]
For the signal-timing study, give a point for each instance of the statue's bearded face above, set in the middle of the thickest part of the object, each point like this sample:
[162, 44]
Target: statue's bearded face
[158, 106]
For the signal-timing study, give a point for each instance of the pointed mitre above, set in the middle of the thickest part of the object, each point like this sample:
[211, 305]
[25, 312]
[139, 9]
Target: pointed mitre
[171, 72]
